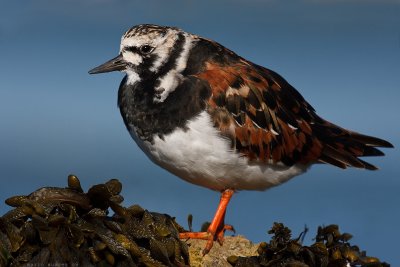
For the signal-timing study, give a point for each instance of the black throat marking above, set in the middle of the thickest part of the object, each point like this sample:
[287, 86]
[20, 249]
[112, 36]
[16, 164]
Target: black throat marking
[147, 119]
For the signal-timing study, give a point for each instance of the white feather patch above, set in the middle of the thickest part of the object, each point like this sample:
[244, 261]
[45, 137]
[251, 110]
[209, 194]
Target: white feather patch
[163, 50]
[168, 83]
[132, 58]
[133, 77]
[171, 80]
[200, 155]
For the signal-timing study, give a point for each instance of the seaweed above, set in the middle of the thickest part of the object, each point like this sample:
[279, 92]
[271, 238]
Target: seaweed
[330, 249]
[67, 227]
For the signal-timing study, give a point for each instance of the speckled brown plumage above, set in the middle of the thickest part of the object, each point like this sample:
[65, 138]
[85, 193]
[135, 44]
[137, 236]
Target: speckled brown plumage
[270, 121]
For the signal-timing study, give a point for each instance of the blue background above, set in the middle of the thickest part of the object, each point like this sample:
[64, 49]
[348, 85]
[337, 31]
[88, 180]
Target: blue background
[343, 56]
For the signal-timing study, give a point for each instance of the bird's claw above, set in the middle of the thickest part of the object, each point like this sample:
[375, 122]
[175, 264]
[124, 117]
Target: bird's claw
[210, 236]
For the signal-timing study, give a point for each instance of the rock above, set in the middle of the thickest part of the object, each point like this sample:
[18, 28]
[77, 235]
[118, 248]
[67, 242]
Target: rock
[233, 245]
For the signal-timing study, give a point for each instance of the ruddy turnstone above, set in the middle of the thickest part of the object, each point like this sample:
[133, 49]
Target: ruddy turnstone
[217, 120]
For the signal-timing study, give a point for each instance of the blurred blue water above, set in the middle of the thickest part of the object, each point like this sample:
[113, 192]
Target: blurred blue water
[342, 56]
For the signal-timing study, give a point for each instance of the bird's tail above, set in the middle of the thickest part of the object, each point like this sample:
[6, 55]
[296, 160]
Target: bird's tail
[343, 148]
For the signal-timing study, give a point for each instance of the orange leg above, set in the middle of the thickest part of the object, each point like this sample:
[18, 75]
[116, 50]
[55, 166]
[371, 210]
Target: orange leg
[215, 231]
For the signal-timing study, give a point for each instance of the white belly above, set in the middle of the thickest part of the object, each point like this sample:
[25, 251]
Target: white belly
[200, 155]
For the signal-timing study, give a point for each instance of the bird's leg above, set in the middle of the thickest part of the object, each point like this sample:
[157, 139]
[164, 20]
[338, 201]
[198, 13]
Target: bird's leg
[215, 231]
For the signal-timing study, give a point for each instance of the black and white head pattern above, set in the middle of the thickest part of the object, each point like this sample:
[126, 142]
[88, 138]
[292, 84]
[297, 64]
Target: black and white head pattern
[158, 53]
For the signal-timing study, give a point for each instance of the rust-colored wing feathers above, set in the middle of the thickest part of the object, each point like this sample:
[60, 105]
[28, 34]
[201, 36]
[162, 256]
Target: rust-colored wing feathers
[267, 119]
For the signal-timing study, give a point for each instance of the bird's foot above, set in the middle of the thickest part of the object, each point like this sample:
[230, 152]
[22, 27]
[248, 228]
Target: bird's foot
[211, 235]
[217, 228]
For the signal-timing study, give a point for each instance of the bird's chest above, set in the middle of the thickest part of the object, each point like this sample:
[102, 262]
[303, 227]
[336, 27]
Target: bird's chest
[147, 118]
[199, 154]
[178, 134]
[144, 120]
[196, 152]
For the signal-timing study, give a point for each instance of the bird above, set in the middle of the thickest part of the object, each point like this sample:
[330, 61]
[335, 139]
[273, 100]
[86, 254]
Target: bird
[220, 121]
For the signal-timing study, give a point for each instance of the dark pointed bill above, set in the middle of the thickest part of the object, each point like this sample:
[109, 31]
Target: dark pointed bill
[115, 64]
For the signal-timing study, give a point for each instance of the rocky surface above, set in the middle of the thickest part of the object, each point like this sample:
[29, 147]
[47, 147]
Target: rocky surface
[233, 245]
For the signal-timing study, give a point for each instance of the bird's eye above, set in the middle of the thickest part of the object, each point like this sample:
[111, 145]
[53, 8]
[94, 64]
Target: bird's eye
[146, 49]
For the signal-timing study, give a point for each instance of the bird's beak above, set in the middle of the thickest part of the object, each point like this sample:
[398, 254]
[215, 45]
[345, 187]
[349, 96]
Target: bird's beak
[117, 63]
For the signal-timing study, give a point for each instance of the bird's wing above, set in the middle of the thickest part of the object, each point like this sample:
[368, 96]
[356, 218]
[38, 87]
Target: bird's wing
[267, 119]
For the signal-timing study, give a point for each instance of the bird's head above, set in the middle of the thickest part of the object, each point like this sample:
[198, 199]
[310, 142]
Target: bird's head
[148, 51]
